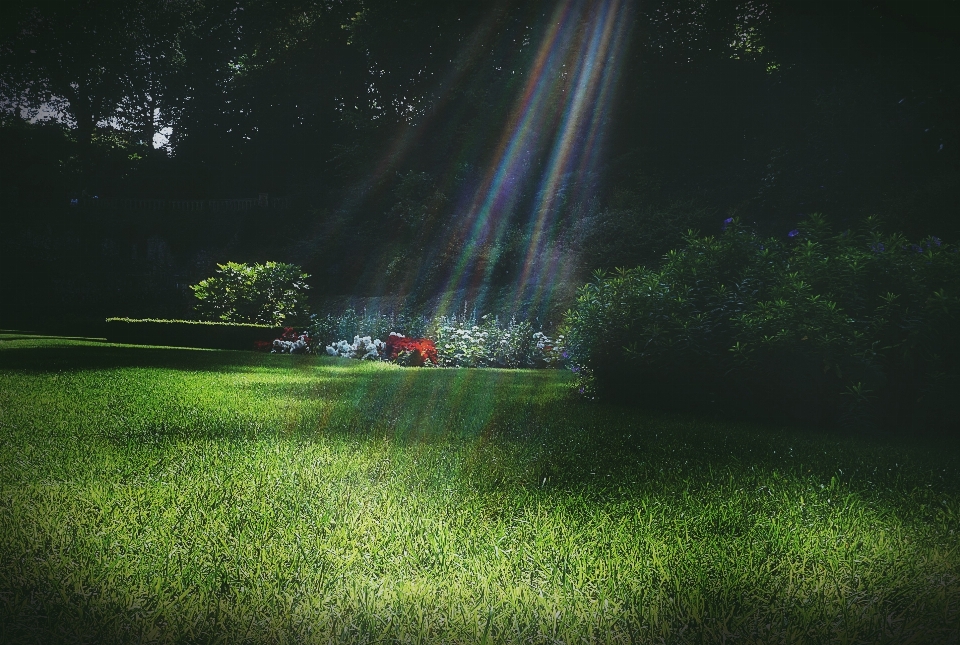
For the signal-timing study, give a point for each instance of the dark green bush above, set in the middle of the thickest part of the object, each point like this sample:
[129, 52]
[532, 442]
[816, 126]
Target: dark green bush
[188, 333]
[857, 327]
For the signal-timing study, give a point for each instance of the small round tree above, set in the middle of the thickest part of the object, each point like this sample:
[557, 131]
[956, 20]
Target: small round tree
[266, 293]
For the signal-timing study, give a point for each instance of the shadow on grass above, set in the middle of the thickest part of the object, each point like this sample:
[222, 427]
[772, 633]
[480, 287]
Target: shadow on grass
[59, 356]
[217, 619]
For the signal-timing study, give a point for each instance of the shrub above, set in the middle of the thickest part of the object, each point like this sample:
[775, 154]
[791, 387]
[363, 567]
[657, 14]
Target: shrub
[328, 327]
[187, 333]
[260, 293]
[290, 342]
[362, 348]
[460, 344]
[413, 352]
[854, 326]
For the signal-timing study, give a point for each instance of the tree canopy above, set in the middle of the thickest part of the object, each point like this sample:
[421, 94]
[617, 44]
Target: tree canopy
[415, 134]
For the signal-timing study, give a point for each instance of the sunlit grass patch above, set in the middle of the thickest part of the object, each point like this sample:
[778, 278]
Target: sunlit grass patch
[180, 495]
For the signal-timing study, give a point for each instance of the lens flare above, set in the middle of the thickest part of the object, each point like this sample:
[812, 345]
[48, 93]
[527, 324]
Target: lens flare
[561, 111]
[545, 158]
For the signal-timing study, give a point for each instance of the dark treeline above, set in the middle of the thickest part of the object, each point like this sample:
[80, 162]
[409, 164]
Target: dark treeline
[381, 122]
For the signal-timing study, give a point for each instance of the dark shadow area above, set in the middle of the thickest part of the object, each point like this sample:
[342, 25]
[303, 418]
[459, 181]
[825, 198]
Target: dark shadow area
[785, 400]
[58, 619]
[104, 356]
[9, 334]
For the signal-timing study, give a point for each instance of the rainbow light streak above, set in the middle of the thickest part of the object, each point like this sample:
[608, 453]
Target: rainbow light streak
[578, 139]
[499, 188]
[584, 36]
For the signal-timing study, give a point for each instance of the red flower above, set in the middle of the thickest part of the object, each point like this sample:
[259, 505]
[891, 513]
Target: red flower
[416, 350]
[262, 345]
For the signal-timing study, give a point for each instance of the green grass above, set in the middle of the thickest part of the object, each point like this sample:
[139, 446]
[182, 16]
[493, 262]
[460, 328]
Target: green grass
[160, 495]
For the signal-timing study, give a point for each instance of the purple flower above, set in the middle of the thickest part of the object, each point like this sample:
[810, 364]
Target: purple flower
[878, 247]
[575, 368]
[795, 232]
[917, 248]
[727, 222]
[565, 354]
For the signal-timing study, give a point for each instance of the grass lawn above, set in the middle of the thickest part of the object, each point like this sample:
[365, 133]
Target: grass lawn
[157, 494]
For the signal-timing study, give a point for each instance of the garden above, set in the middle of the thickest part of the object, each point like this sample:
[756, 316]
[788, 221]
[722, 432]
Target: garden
[544, 322]
[473, 480]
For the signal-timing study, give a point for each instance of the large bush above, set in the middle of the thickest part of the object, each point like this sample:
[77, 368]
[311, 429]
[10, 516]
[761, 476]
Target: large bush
[268, 293]
[856, 326]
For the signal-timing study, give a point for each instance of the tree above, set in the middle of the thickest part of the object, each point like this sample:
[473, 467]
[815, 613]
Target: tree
[68, 58]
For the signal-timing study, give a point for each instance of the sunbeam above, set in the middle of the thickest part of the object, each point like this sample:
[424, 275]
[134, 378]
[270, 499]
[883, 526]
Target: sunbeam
[562, 108]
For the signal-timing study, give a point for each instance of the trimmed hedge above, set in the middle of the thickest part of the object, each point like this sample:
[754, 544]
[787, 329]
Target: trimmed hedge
[188, 333]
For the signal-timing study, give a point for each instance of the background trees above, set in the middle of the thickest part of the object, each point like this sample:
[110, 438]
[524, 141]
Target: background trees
[386, 121]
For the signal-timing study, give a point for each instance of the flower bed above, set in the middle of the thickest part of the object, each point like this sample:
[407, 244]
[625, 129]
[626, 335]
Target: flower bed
[441, 342]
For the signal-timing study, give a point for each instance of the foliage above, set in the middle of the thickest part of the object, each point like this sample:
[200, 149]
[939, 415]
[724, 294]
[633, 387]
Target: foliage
[419, 202]
[291, 343]
[636, 226]
[266, 293]
[415, 352]
[461, 342]
[855, 325]
[186, 333]
[362, 348]
[329, 327]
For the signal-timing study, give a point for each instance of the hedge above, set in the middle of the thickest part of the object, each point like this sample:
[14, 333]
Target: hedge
[188, 333]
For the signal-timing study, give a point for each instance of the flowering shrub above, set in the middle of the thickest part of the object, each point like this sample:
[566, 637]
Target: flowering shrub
[547, 351]
[291, 343]
[363, 348]
[856, 327]
[463, 343]
[414, 352]
[326, 328]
